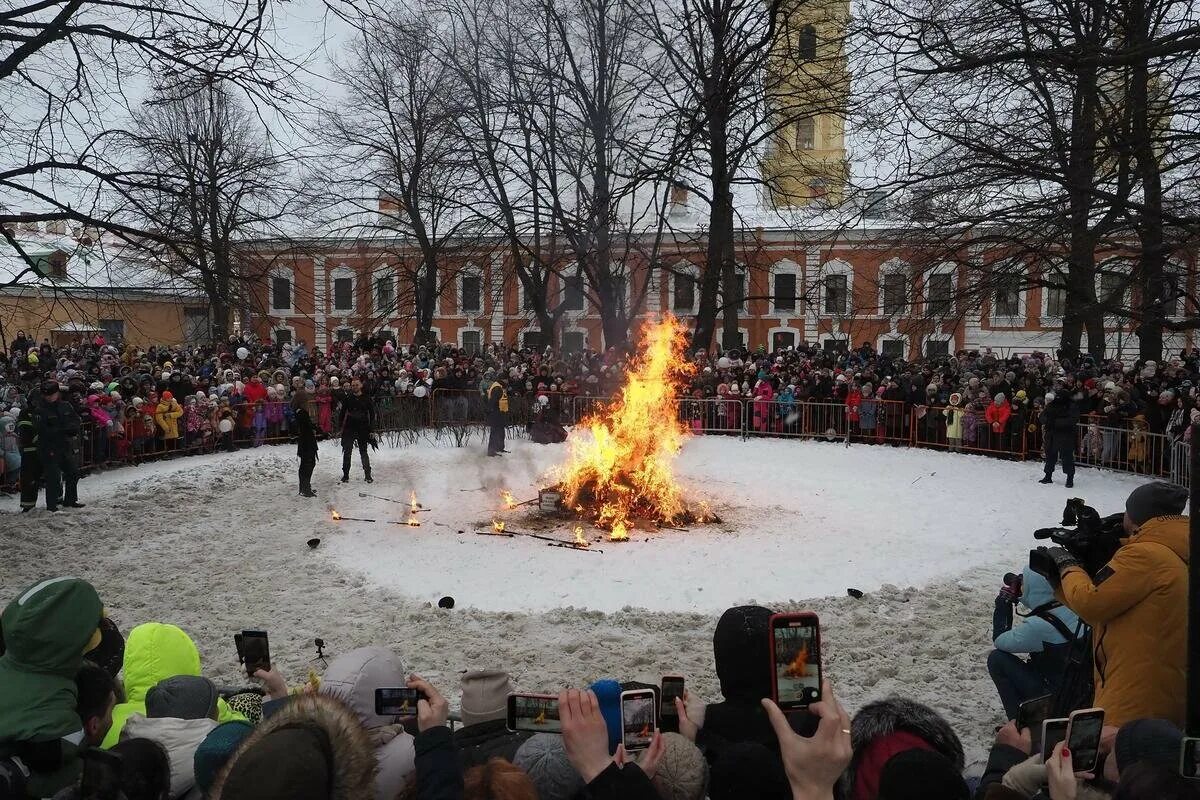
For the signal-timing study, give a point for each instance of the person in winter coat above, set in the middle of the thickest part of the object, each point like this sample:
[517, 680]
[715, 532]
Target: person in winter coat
[306, 441]
[1137, 442]
[358, 421]
[154, 652]
[258, 423]
[31, 462]
[10, 450]
[180, 714]
[314, 748]
[1060, 432]
[954, 422]
[324, 401]
[997, 415]
[166, 416]
[867, 409]
[763, 405]
[352, 679]
[497, 414]
[47, 628]
[484, 735]
[1044, 636]
[57, 442]
[1137, 607]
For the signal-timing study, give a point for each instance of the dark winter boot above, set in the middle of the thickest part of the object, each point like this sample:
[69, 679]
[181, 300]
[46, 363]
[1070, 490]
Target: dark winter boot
[369, 479]
[1048, 479]
[1071, 482]
[345, 479]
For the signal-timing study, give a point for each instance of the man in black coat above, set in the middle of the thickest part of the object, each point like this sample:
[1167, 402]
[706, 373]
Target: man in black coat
[497, 411]
[57, 432]
[306, 441]
[358, 419]
[1060, 430]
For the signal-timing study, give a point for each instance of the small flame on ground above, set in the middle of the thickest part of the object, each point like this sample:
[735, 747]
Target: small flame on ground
[498, 525]
[336, 515]
[580, 541]
[413, 522]
[413, 504]
[619, 532]
[509, 500]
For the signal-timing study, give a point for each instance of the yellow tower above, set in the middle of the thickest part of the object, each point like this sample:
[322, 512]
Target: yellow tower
[807, 88]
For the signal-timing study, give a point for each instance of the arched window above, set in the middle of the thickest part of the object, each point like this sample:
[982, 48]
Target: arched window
[806, 47]
[806, 133]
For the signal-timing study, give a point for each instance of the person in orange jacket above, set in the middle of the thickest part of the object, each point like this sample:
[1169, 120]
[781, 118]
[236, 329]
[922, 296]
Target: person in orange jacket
[997, 415]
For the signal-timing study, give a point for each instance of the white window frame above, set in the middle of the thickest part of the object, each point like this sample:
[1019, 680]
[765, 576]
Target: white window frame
[1103, 267]
[894, 337]
[940, 269]
[836, 266]
[1047, 285]
[472, 271]
[1180, 271]
[895, 266]
[338, 329]
[796, 332]
[841, 337]
[687, 268]
[281, 327]
[786, 267]
[482, 336]
[1005, 320]
[394, 309]
[342, 271]
[938, 337]
[577, 329]
[583, 288]
[281, 272]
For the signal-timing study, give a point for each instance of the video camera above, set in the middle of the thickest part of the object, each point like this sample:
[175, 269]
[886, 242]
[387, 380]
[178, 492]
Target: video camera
[1091, 538]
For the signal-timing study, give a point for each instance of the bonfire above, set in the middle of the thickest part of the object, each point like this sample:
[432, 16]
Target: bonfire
[622, 473]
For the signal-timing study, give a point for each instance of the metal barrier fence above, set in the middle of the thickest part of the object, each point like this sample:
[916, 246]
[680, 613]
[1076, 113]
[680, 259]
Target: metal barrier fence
[140, 436]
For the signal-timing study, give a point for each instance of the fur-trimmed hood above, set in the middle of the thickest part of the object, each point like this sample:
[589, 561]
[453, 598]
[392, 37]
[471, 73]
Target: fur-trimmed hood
[882, 718]
[352, 758]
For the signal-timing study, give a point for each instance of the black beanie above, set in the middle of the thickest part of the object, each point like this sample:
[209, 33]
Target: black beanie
[920, 774]
[291, 763]
[1157, 499]
[741, 649]
[1154, 740]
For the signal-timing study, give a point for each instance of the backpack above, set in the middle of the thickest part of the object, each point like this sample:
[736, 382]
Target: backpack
[1076, 687]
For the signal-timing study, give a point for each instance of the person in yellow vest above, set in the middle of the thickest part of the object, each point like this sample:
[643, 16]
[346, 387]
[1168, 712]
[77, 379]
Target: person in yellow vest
[497, 404]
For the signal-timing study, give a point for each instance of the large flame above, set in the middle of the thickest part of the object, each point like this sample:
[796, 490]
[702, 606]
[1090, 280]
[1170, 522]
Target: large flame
[412, 502]
[798, 668]
[624, 469]
[507, 497]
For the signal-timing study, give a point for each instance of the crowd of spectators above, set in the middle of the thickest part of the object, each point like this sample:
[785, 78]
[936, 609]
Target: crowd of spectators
[137, 403]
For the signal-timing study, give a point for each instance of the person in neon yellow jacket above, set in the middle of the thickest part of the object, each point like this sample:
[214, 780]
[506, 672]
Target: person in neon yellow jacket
[154, 652]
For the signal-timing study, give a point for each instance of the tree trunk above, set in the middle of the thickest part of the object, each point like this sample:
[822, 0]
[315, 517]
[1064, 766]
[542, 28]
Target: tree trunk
[426, 301]
[720, 237]
[219, 316]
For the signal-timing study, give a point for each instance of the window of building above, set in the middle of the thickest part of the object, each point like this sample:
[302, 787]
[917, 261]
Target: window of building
[1007, 296]
[472, 293]
[892, 348]
[937, 348]
[534, 340]
[782, 340]
[1112, 291]
[281, 294]
[738, 295]
[282, 336]
[573, 293]
[895, 293]
[939, 294]
[345, 335]
[114, 330]
[528, 298]
[835, 346]
[734, 341]
[343, 294]
[385, 294]
[683, 292]
[1056, 299]
[806, 133]
[1174, 292]
[785, 291]
[836, 294]
[195, 324]
[806, 47]
[472, 341]
[620, 289]
[573, 342]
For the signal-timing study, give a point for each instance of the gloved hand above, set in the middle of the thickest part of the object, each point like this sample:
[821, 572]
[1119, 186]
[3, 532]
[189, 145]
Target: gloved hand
[1050, 562]
[1009, 594]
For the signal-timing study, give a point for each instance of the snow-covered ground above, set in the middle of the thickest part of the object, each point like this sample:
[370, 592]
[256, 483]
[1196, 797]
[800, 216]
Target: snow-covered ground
[216, 544]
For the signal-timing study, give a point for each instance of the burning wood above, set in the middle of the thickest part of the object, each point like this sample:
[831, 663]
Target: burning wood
[580, 540]
[509, 500]
[798, 667]
[337, 516]
[413, 505]
[498, 525]
[623, 471]
[413, 523]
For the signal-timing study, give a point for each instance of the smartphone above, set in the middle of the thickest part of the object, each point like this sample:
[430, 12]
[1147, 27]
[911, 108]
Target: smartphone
[795, 660]
[639, 718]
[1053, 732]
[101, 774]
[672, 687]
[253, 651]
[534, 712]
[397, 702]
[1189, 758]
[1083, 738]
[1031, 714]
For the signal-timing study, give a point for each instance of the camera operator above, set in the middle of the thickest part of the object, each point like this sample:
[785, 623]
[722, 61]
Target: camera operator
[1045, 635]
[1137, 607]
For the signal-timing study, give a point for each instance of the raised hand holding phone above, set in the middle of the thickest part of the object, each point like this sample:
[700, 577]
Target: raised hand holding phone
[432, 710]
[585, 734]
[813, 765]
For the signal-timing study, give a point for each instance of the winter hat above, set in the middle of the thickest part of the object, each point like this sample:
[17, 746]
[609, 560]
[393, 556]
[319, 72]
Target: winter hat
[886, 727]
[955, 398]
[1147, 740]
[999, 398]
[182, 697]
[1021, 394]
[1156, 499]
[485, 696]
[295, 762]
[748, 769]
[168, 396]
[1050, 397]
[682, 773]
[920, 774]
[608, 694]
[741, 650]
[545, 762]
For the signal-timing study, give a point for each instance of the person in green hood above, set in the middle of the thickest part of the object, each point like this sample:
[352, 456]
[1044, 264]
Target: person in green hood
[46, 629]
[154, 652]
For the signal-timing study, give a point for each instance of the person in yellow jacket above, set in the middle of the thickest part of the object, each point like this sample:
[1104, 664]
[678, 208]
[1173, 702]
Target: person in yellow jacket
[1137, 607]
[154, 652]
[166, 416]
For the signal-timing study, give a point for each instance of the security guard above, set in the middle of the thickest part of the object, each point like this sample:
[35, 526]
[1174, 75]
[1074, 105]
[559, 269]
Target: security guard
[57, 431]
[31, 464]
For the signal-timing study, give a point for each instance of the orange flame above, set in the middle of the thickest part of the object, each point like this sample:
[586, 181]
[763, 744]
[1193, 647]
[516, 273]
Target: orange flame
[798, 668]
[498, 525]
[509, 500]
[413, 504]
[413, 522]
[580, 540]
[619, 532]
[336, 515]
[624, 469]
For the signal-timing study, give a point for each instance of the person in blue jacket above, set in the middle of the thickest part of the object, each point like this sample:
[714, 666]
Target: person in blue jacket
[1044, 636]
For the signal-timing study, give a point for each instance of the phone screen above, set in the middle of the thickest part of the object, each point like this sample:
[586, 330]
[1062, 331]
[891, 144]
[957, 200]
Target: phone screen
[1084, 740]
[672, 687]
[531, 712]
[255, 651]
[1031, 714]
[1053, 732]
[638, 719]
[397, 702]
[797, 660]
[1189, 759]
[101, 775]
